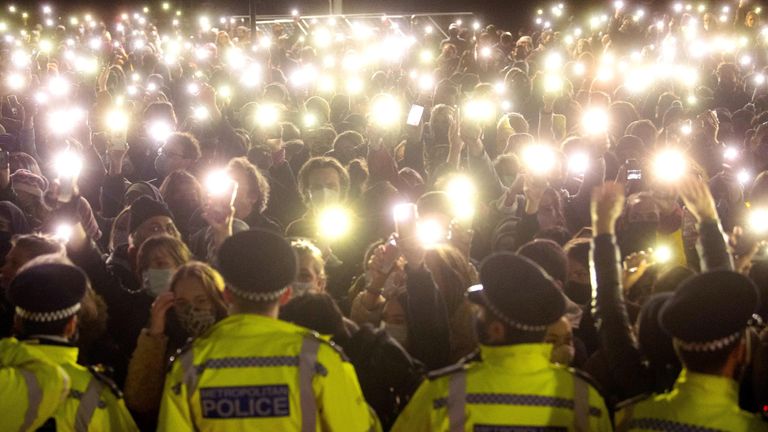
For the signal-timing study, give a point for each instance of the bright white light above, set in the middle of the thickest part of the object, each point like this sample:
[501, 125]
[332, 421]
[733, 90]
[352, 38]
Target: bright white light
[16, 81]
[662, 254]
[758, 220]
[430, 233]
[159, 131]
[385, 110]
[743, 177]
[539, 159]
[670, 165]
[267, 115]
[595, 121]
[578, 163]
[68, 164]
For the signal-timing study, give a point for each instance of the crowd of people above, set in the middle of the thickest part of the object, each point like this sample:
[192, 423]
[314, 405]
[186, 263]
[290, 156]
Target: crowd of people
[349, 225]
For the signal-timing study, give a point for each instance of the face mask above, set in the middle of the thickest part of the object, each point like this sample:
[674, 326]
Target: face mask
[156, 281]
[301, 288]
[398, 332]
[162, 165]
[195, 321]
[562, 354]
[323, 197]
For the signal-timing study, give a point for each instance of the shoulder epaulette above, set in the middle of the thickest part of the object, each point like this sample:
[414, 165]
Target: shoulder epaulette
[315, 335]
[588, 378]
[98, 373]
[632, 401]
[463, 364]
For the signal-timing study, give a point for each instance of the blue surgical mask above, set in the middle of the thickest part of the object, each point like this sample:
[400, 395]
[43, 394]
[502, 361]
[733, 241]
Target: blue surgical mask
[156, 281]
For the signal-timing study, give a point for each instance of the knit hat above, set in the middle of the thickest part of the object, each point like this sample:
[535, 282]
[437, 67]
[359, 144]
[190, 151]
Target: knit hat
[145, 208]
[257, 265]
[26, 181]
[709, 312]
[47, 292]
[518, 292]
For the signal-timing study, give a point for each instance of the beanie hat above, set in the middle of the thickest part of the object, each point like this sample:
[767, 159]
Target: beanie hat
[145, 208]
[26, 181]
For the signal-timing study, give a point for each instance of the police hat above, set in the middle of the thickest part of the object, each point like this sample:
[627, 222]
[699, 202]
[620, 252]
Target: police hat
[47, 292]
[709, 311]
[518, 292]
[257, 265]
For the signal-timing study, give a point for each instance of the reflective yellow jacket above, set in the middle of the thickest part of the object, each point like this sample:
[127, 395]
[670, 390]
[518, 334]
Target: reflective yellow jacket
[698, 402]
[31, 386]
[513, 387]
[251, 372]
[94, 403]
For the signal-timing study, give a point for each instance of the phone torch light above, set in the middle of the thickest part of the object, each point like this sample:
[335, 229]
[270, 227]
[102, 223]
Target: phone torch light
[385, 110]
[686, 128]
[539, 159]
[160, 131]
[334, 223]
[403, 212]
[225, 91]
[267, 115]
[662, 254]
[669, 165]
[355, 86]
[743, 177]
[485, 52]
[68, 164]
[426, 83]
[430, 233]
[552, 83]
[595, 121]
[578, 163]
[759, 79]
[63, 233]
[481, 110]
[310, 120]
[117, 120]
[219, 183]
[426, 56]
[758, 220]
[200, 113]
[16, 81]
[731, 153]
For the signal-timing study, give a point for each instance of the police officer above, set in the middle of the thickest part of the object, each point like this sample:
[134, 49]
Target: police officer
[251, 371]
[513, 386]
[47, 298]
[31, 386]
[707, 318]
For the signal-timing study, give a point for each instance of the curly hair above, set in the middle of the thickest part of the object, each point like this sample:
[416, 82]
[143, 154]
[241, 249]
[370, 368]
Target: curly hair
[256, 181]
[317, 163]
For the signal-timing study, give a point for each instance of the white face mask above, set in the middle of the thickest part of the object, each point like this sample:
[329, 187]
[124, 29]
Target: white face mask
[157, 281]
[323, 197]
[398, 332]
[301, 288]
[562, 354]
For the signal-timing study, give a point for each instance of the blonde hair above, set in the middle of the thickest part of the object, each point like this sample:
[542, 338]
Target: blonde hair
[307, 248]
[175, 248]
[212, 282]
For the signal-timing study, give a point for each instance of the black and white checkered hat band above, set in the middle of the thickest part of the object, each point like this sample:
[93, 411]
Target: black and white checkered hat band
[510, 322]
[47, 316]
[715, 345]
[256, 296]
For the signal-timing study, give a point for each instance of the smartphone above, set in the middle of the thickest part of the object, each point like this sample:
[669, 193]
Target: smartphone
[634, 172]
[405, 220]
[415, 115]
[5, 160]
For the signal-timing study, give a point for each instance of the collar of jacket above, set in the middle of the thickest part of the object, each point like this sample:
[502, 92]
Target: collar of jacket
[57, 353]
[706, 389]
[519, 357]
[244, 324]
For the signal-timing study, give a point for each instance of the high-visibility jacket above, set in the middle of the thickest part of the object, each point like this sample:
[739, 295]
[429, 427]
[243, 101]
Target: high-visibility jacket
[697, 402]
[31, 386]
[512, 388]
[251, 372]
[94, 402]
